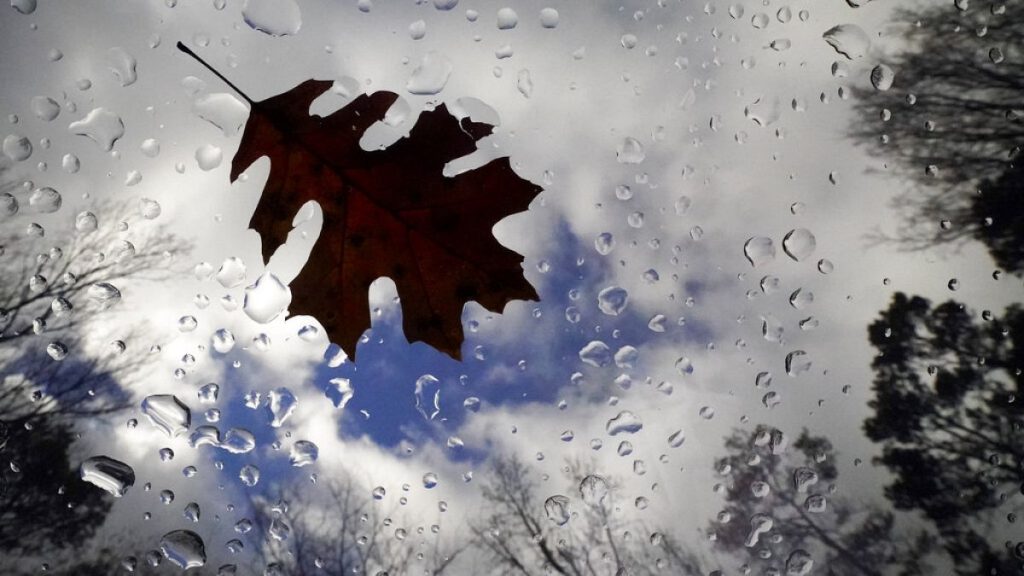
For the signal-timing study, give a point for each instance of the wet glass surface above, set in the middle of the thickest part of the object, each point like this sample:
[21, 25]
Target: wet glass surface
[471, 287]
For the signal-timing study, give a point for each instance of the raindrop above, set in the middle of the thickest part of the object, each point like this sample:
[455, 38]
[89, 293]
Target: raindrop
[549, 18]
[759, 250]
[273, 17]
[431, 75]
[167, 413]
[303, 453]
[45, 200]
[223, 341]
[104, 295]
[428, 396]
[101, 126]
[849, 40]
[281, 403]
[208, 157]
[797, 363]
[231, 272]
[184, 548]
[17, 147]
[45, 108]
[882, 77]
[799, 243]
[507, 19]
[630, 151]
[557, 509]
[111, 475]
[223, 110]
[593, 489]
[596, 353]
[249, 475]
[613, 300]
[122, 64]
[624, 423]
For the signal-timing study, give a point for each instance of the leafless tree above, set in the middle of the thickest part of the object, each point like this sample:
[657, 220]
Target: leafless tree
[528, 533]
[336, 527]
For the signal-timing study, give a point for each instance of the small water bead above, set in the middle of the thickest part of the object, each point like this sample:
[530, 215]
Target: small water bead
[208, 157]
[273, 17]
[507, 19]
[759, 250]
[57, 351]
[86, 222]
[799, 243]
[183, 548]
[45, 200]
[249, 475]
[953, 284]
[111, 475]
[549, 18]
[630, 151]
[850, 40]
[604, 243]
[613, 300]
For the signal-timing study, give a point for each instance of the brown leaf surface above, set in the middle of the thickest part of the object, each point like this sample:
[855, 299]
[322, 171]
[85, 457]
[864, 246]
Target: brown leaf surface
[386, 213]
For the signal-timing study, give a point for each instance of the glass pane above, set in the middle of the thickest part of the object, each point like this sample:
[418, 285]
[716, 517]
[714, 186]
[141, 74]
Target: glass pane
[473, 287]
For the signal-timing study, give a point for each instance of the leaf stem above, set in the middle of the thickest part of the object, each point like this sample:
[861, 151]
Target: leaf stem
[189, 51]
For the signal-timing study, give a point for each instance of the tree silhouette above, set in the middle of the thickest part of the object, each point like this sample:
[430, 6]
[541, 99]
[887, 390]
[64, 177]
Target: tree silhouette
[948, 415]
[783, 506]
[45, 299]
[336, 527]
[953, 122]
[519, 529]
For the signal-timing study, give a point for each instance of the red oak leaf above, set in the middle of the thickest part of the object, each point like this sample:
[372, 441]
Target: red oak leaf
[387, 213]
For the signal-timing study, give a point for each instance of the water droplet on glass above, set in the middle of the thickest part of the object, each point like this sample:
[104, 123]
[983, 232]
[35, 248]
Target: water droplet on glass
[281, 403]
[604, 243]
[45, 200]
[596, 353]
[799, 243]
[167, 413]
[428, 396]
[101, 126]
[882, 77]
[849, 40]
[111, 475]
[86, 222]
[17, 147]
[799, 563]
[149, 208]
[223, 110]
[797, 363]
[593, 490]
[630, 151]
[507, 19]
[557, 509]
[273, 17]
[249, 475]
[24, 6]
[122, 64]
[184, 548]
[104, 295]
[625, 422]
[57, 351]
[549, 18]
[759, 250]
[303, 453]
[431, 75]
[208, 157]
[231, 272]
[612, 300]
[223, 341]
[44, 108]
[524, 83]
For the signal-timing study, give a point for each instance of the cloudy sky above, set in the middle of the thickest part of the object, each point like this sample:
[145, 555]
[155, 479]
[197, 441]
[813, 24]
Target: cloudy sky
[742, 125]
